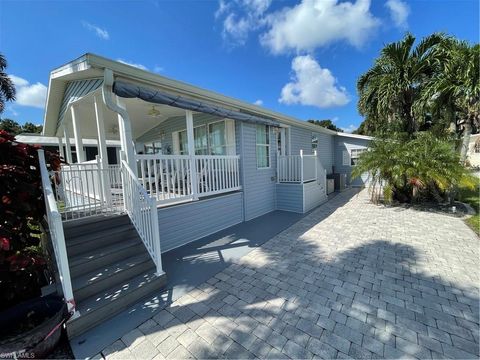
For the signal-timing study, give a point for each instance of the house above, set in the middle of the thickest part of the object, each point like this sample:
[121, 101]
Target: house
[193, 162]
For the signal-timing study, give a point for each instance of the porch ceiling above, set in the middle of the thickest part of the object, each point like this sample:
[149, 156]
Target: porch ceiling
[138, 110]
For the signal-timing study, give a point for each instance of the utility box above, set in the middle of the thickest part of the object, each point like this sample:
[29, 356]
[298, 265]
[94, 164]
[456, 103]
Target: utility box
[330, 186]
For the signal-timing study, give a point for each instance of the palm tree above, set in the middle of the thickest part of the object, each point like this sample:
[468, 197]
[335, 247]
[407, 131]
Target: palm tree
[7, 89]
[388, 90]
[455, 89]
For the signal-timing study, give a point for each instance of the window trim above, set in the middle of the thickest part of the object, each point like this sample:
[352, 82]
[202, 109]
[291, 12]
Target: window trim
[269, 157]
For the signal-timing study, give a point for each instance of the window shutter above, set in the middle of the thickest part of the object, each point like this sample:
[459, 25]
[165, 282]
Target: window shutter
[346, 158]
[230, 136]
[176, 143]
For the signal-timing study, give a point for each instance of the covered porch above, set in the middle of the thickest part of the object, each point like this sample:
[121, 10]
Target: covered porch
[173, 155]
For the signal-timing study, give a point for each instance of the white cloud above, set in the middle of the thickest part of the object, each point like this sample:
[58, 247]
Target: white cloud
[258, 102]
[158, 69]
[399, 12]
[223, 7]
[139, 66]
[312, 85]
[28, 94]
[316, 23]
[240, 18]
[101, 33]
[349, 129]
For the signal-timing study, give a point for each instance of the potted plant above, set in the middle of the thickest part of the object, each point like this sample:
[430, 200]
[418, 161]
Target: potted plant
[29, 323]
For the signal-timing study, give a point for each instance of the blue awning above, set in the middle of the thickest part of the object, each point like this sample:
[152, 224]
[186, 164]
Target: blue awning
[127, 90]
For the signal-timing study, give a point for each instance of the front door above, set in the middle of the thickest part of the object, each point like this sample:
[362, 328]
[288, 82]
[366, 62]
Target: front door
[281, 141]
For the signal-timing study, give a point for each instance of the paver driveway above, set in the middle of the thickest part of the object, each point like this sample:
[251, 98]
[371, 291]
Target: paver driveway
[351, 279]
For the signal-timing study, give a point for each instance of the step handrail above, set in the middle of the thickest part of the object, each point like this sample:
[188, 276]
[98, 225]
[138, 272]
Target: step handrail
[142, 211]
[57, 235]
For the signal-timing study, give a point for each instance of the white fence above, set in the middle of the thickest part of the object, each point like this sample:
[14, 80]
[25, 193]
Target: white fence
[55, 227]
[88, 189]
[296, 168]
[142, 210]
[170, 178]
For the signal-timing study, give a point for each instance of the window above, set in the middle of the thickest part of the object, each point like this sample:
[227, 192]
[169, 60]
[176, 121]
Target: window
[314, 142]
[263, 146]
[153, 148]
[355, 155]
[216, 132]
[217, 138]
[200, 139]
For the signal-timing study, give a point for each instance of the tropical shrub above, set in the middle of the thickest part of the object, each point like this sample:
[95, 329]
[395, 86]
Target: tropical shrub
[412, 169]
[22, 208]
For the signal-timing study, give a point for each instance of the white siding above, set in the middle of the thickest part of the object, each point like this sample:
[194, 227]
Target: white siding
[258, 184]
[290, 197]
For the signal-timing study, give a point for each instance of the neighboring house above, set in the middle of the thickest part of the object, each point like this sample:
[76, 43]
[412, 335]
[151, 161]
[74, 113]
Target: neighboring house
[194, 162]
[473, 154]
[90, 146]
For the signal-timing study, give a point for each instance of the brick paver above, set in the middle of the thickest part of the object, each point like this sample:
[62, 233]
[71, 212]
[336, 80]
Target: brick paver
[350, 280]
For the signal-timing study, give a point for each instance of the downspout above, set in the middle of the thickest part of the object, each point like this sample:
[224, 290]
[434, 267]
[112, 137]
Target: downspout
[126, 134]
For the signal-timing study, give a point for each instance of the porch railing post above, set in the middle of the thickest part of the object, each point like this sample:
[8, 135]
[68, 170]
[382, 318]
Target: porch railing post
[156, 236]
[191, 153]
[316, 165]
[301, 166]
[278, 167]
[123, 178]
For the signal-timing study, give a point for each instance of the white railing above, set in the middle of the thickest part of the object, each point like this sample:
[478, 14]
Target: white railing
[142, 210]
[88, 189]
[296, 168]
[57, 237]
[217, 174]
[289, 168]
[168, 178]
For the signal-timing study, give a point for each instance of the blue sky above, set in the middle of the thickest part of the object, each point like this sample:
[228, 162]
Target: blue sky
[301, 58]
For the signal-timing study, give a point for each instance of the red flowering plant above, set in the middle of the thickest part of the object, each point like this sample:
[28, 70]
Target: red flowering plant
[22, 208]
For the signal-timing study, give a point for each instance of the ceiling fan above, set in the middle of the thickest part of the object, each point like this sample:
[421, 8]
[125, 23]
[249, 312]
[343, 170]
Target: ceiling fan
[153, 112]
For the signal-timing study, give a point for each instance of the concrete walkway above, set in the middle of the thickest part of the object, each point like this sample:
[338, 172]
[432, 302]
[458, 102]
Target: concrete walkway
[351, 279]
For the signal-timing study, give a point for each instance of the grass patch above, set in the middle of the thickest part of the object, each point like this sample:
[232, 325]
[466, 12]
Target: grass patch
[472, 197]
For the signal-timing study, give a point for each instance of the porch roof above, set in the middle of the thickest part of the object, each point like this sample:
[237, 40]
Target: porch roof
[90, 66]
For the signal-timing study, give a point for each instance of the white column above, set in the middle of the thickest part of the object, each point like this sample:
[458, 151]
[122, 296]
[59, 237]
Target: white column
[102, 143]
[60, 147]
[77, 135]
[127, 138]
[102, 149]
[68, 146]
[191, 152]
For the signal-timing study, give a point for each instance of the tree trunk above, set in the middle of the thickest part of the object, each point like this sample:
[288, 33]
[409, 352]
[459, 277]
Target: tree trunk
[465, 141]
